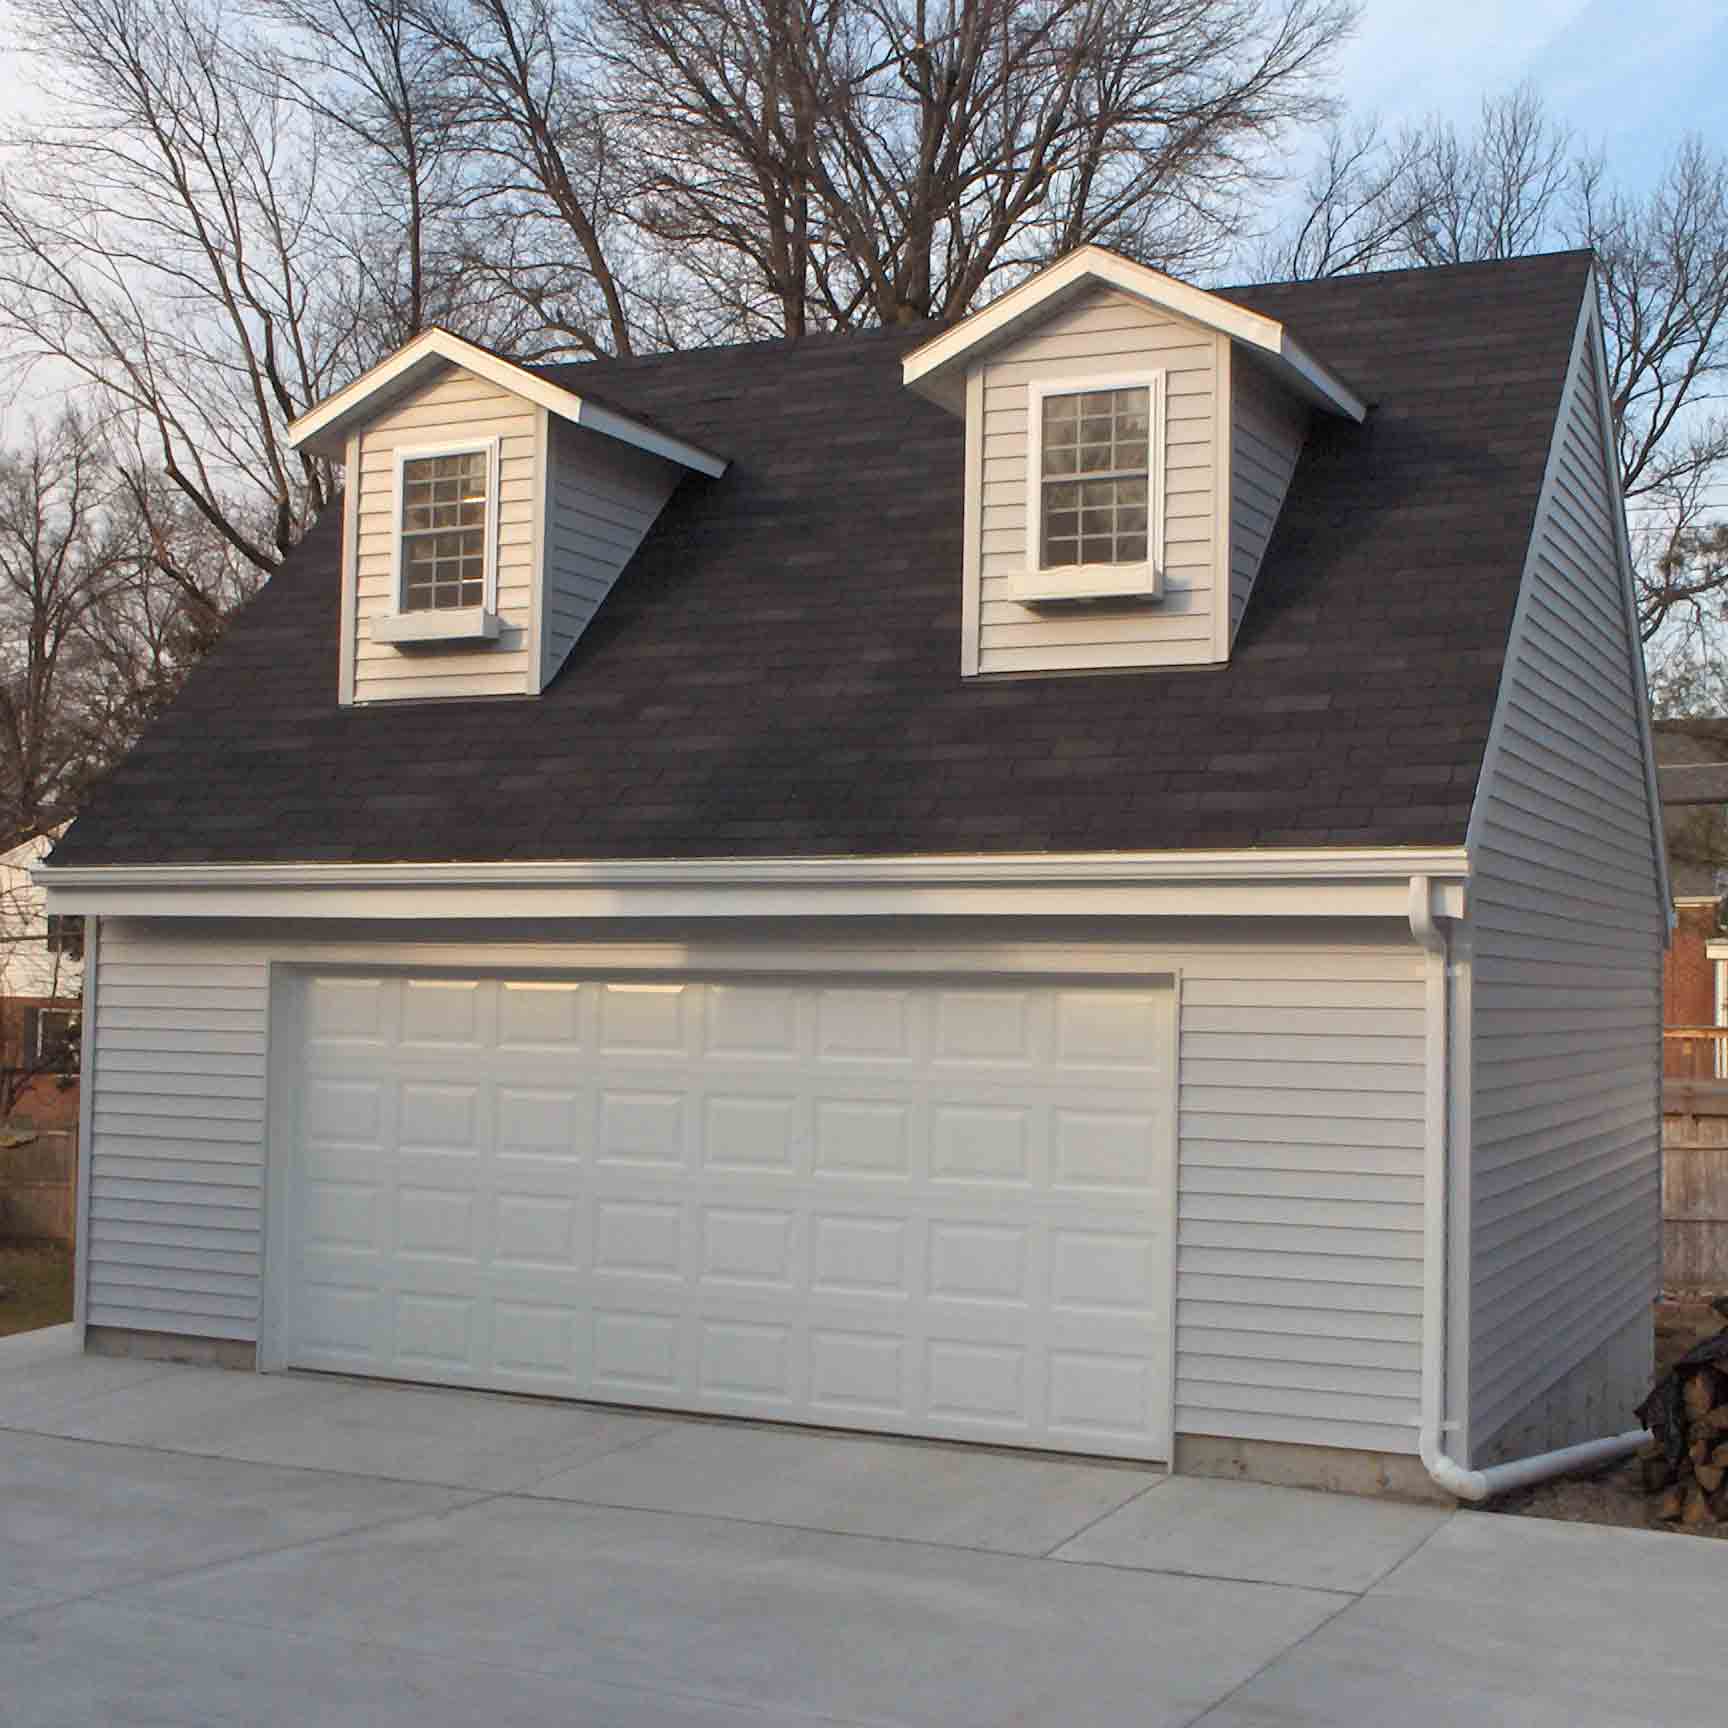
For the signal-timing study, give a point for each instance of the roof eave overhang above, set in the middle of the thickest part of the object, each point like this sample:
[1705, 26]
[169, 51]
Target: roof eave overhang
[325, 430]
[937, 369]
[1323, 883]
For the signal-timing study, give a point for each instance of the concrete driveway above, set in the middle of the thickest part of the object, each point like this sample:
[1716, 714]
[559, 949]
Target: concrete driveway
[182, 1545]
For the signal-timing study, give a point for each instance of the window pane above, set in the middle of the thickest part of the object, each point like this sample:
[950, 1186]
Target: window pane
[1106, 435]
[444, 507]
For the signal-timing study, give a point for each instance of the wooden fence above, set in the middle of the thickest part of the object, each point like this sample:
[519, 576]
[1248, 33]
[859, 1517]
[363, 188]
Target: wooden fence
[39, 1186]
[1695, 1184]
[1695, 1052]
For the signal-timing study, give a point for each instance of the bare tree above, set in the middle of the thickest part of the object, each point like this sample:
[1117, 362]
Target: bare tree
[60, 562]
[864, 161]
[1497, 192]
[370, 80]
[111, 587]
[1515, 185]
[548, 181]
[160, 241]
[1356, 207]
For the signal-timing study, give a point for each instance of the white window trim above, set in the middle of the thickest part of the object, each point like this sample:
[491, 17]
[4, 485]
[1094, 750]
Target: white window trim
[452, 624]
[1145, 581]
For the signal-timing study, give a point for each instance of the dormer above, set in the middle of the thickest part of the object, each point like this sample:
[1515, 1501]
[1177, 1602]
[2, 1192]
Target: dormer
[487, 511]
[1129, 442]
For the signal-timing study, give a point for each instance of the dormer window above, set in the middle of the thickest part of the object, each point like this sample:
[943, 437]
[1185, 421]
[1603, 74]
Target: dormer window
[446, 547]
[1095, 474]
[487, 510]
[445, 502]
[1094, 467]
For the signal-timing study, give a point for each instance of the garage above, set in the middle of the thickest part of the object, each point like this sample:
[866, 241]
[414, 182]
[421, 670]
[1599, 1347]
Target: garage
[927, 1206]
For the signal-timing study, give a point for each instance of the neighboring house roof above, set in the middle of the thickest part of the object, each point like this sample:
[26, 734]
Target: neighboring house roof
[777, 671]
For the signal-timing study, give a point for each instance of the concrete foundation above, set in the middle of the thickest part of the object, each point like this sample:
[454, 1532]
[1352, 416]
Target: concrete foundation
[1340, 1470]
[169, 1347]
[1589, 1402]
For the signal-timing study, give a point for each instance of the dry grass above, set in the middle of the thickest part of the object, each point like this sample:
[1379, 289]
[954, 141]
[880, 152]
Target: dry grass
[35, 1288]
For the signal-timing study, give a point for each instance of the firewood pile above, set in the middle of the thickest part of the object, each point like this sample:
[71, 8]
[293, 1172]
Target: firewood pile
[1686, 1463]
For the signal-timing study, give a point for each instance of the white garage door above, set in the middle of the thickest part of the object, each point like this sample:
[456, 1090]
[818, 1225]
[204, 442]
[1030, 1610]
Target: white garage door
[934, 1208]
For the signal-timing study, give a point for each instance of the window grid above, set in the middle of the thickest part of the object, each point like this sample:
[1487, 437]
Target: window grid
[1095, 477]
[444, 502]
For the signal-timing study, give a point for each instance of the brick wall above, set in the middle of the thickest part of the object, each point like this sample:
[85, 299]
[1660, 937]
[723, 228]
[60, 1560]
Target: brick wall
[1689, 988]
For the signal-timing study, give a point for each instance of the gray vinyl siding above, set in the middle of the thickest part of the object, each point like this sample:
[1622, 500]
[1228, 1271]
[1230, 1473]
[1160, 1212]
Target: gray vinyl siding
[1267, 429]
[1103, 334]
[1566, 926]
[454, 406]
[177, 1128]
[601, 500]
[1299, 1241]
[1299, 1235]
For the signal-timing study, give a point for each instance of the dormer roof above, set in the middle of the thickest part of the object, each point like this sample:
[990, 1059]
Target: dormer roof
[324, 430]
[937, 369]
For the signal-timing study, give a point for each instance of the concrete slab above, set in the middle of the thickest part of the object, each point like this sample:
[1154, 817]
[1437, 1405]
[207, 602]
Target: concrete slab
[44, 1372]
[852, 1485]
[16, 1598]
[1269, 1535]
[79, 1517]
[1513, 1620]
[401, 1433]
[782, 1620]
[98, 1662]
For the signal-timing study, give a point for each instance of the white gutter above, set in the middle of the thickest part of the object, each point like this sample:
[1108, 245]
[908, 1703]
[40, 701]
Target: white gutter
[1447, 1472]
[1343, 883]
[1333, 863]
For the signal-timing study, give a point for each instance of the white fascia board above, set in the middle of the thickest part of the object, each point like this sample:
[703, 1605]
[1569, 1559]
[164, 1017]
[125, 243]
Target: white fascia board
[1331, 883]
[324, 430]
[937, 368]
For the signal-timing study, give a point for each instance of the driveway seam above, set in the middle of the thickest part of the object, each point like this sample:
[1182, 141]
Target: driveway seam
[1218, 1703]
[527, 1493]
[1021, 1555]
[106, 1592]
[157, 1450]
[162, 1373]
[1405, 1559]
[1110, 1512]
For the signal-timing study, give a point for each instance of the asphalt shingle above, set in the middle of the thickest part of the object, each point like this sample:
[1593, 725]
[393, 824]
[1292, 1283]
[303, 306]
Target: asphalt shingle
[777, 672]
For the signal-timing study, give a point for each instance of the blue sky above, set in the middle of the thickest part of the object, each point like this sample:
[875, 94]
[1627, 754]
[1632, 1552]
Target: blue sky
[1629, 76]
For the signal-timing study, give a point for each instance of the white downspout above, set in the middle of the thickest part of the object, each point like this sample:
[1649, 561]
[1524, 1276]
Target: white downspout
[1473, 1485]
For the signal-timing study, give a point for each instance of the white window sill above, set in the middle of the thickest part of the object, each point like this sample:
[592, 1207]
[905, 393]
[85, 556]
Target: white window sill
[409, 629]
[1087, 582]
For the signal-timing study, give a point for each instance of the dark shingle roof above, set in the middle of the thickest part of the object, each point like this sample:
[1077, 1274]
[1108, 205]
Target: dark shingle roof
[777, 672]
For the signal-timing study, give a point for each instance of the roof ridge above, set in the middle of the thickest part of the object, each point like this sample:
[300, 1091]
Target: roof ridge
[1458, 267]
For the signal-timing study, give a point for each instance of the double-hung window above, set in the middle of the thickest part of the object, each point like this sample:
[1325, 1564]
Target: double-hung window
[1095, 491]
[446, 510]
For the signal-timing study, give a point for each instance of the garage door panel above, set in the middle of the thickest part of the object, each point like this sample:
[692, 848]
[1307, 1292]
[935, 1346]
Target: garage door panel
[940, 1208]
